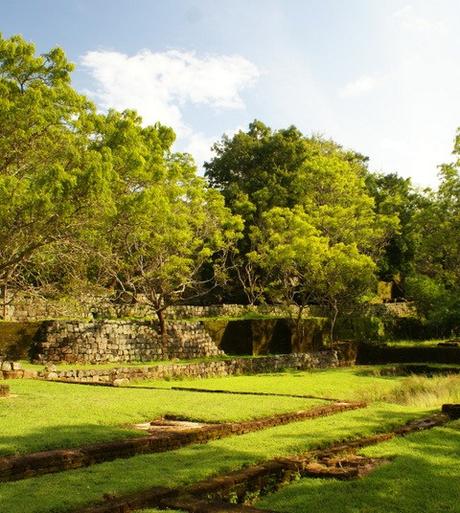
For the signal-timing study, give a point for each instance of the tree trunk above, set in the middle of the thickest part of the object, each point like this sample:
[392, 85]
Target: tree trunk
[299, 327]
[335, 313]
[4, 300]
[162, 322]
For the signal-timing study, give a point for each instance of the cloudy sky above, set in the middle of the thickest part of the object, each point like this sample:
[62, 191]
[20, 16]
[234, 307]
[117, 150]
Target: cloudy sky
[379, 76]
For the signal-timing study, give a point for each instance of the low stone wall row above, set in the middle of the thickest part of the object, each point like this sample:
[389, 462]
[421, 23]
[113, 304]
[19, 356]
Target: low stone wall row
[235, 366]
[122, 341]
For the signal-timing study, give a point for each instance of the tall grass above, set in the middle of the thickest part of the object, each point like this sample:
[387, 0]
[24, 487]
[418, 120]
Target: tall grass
[419, 391]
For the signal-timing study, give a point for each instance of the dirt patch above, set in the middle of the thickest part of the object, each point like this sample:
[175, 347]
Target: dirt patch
[167, 425]
[4, 390]
[165, 438]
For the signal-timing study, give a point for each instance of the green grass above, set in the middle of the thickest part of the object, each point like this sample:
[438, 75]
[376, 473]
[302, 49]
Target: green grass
[417, 343]
[423, 476]
[158, 511]
[344, 383]
[43, 415]
[426, 392]
[68, 490]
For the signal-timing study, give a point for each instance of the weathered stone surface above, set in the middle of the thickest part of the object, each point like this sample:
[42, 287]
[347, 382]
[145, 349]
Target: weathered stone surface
[122, 341]
[234, 366]
[451, 410]
[119, 382]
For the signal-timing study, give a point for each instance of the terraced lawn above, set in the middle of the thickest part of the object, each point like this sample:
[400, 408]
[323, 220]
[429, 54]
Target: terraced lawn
[43, 415]
[343, 383]
[423, 475]
[67, 490]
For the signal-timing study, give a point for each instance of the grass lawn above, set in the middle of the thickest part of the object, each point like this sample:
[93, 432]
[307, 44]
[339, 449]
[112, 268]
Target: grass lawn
[344, 383]
[417, 343]
[44, 415]
[67, 490]
[423, 476]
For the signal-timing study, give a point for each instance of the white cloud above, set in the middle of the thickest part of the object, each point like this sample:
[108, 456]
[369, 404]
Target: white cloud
[199, 145]
[358, 87]
[410, 20]
[159, 84]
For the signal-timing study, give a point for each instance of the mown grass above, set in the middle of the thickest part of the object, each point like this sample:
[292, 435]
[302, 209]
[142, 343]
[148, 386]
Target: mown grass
[43, 415]
[417, 343]
[65, 491]
[344, 383]
[423, 476]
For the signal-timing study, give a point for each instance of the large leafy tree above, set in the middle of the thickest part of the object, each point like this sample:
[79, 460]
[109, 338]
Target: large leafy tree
[397, 199]
[261, 171]
[167, 224]
[435, 282]
[303, 267]
[52, 181]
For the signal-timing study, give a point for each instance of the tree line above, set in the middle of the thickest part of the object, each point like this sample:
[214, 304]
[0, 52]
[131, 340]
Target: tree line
[92, 200]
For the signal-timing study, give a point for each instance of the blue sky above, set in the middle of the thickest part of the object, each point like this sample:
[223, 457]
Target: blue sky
[379, 76]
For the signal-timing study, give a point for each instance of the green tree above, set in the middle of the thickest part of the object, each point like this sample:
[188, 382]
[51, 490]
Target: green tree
[397, 199]
[167, 224]
[435, 283]
[52, 181]
[309, 178]
[303, 267]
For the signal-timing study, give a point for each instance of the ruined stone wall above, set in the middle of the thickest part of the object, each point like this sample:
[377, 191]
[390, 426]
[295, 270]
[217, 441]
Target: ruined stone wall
[235, 366]
[121, 341]
[29, 307]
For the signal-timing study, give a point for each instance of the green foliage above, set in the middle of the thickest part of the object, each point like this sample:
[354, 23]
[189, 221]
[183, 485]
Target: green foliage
[302, 266]
[52, 182]
[397, 200]
[310, 227]
[167, 225]
[435, 284]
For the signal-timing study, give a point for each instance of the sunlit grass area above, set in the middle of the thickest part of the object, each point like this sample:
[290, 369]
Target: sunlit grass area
[43, 415]
[423, 475]
[419, 391]
[67, 490]
[343, 383]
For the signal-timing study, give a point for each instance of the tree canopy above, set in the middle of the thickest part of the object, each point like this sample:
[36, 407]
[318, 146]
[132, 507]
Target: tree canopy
[281, 217]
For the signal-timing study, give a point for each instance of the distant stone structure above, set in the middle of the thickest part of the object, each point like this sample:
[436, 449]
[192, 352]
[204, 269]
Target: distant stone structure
[227, 367]
[121, 341]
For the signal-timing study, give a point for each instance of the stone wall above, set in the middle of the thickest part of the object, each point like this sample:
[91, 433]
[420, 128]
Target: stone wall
[29, 308]
[228, 367]
[121, 341]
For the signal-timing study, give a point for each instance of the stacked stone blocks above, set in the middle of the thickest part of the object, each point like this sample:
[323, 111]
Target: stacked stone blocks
[122, 341]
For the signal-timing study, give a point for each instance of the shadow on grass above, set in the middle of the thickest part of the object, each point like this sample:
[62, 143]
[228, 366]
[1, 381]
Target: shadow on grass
[64, 437]
[423, 476]
[75, 488]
